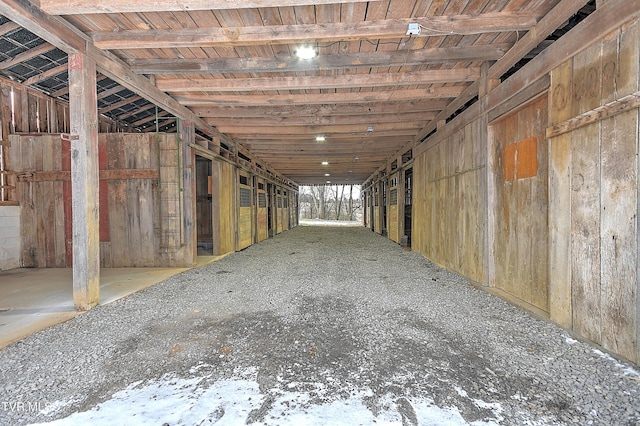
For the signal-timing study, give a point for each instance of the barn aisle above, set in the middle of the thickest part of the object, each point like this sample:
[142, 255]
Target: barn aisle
[318, 325]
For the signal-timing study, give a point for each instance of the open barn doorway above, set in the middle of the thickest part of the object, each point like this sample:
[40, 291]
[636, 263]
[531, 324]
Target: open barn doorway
[204, 206]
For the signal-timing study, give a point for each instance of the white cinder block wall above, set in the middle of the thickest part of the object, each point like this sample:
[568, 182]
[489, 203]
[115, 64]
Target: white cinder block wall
[9, 237]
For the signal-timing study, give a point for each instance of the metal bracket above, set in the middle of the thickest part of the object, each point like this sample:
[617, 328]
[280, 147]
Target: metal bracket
[68, 137]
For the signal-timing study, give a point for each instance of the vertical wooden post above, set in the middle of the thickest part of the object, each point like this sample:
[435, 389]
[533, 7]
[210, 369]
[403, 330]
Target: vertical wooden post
[188, 136]
[84, 181]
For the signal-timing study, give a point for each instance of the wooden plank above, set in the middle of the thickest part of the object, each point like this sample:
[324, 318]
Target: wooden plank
[318, 82]
[325, 62]
[25, 56]
[618, 233]
[84, 181]
[320, 98]
[560, 194]
[296, 34]
[72, 7]
[62, 175]
[627, 103]
[49, 147]
[585, 205]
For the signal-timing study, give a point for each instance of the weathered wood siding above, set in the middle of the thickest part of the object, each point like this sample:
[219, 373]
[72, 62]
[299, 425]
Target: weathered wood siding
[593, 201]
[245, 208]
[224, 207]
[519, 178]
[138, 227]
[449, 202]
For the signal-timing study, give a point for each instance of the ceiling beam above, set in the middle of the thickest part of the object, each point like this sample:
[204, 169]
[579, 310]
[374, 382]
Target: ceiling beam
[322, 98]
[318, 82]
[46, 75]
[328, 32]
[322, 120]
[313, 130]
[320, 63]
[75, 7]
[320, 110]
[69, 39]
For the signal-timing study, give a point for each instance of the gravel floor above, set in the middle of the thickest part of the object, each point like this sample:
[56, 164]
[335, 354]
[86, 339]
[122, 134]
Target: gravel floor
[332, 315]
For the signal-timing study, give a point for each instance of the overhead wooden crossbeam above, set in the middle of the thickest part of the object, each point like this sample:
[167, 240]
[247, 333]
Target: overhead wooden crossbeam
[279, 111]
[321, 98]
[69, 39]
[322, 62]
[75, 7]
[46, 75]
[318, 82]
[322, 120]
[338, 31]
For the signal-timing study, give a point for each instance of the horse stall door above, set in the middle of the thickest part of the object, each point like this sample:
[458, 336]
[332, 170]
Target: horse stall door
[245, 234]
[270, 211]
[408, 185]
[285, 210]
[278, 211]
[204, 211]
[393, 208]
[263, 213]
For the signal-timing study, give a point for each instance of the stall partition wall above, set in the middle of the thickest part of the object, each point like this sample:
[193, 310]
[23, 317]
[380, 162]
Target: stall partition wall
[141, 216]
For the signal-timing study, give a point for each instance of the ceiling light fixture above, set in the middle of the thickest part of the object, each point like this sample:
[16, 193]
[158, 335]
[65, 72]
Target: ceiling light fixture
[306, 52]
[320, 139]
[325, 163]
[327, 174]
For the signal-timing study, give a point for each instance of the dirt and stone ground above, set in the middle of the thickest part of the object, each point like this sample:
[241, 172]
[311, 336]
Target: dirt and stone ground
[315, 326]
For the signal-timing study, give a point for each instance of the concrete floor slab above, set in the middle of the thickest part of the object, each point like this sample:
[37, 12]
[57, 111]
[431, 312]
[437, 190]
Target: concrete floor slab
[34, 299]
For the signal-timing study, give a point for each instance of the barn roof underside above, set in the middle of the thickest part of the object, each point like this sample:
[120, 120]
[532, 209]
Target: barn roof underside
[386, 72]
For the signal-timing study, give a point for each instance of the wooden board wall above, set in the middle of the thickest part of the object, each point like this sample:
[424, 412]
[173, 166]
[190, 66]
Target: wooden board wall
[137, 227]
[518, 210]
[449, 202]
[594, 196]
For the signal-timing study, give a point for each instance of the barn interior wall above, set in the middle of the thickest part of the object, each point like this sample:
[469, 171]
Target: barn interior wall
[550, 222]
[141, 222]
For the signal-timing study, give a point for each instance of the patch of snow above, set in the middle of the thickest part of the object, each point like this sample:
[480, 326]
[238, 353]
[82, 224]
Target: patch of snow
[626, 370]
[179, 401]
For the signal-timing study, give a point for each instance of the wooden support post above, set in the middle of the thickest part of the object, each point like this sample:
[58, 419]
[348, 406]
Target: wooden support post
[84, 181]
[187, 137]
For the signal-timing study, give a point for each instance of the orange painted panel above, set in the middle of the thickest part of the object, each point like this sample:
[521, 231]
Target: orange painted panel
[521, 159]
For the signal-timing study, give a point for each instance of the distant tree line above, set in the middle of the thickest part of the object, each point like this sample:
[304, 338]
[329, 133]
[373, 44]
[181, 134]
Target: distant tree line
[330, 202]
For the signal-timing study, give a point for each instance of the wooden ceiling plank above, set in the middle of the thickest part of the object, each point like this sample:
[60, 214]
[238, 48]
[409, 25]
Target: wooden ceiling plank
[324, 98]
[338, 31]
[312, 130]
[120, 104]
[76, 7]
[314, 82]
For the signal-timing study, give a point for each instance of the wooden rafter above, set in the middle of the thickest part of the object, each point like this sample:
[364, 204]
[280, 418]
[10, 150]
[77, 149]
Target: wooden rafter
[338, 31]
[323, 62]
[69, 39]
[25, 56]
[322, 98]
[71, 7]
[319, 82]
[321, 120]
